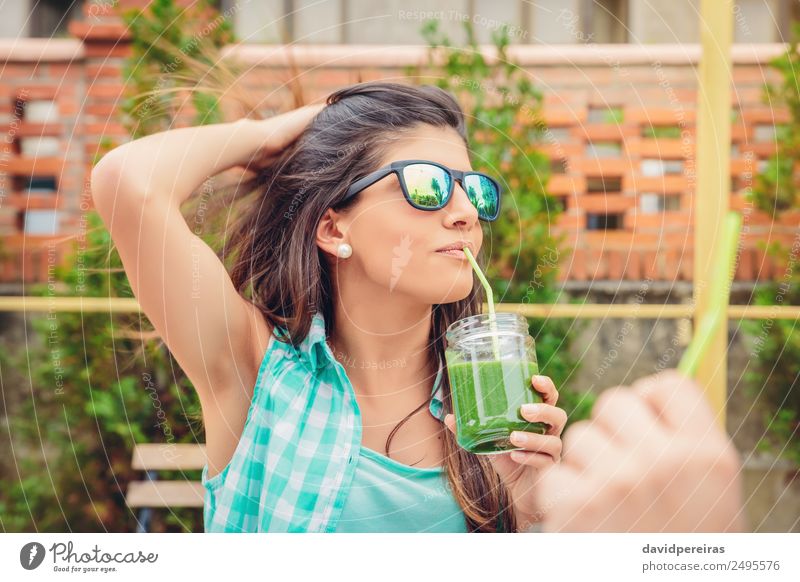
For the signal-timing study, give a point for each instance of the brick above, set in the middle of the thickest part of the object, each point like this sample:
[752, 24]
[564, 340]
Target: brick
[65, 71]
[667, 184]
[650, 265]
[566, 185]
[602, 166]
[668, 149]
[762, 265]
[18, 71]
[570, 151]
[596, 263]
[561, 117]
[569, 221]
[28, 129]
[35, 166]
[30, 92]
[103, 110]
[603, 132]
[762, 150]
[740, 133]
[658, 116]
[677, 220]
[109, 127]
[615, 261]
[633, 265]
[605, 203]
[107, 50]
[687, 266]
[330, 77]
[105, 91]
[576, 265]
[671, 258]
[744, 267]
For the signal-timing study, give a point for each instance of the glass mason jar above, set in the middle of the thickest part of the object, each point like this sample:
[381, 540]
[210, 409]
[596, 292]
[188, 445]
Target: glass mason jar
[490, 370]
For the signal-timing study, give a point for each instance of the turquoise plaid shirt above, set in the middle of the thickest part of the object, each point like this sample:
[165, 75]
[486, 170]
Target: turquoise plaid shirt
[297, 455]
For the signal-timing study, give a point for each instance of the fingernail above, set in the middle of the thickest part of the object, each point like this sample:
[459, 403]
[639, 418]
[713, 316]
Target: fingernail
[519, 438]
[537, 378]
[530, 408]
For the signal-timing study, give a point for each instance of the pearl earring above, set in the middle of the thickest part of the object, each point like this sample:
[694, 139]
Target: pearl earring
[344, 250]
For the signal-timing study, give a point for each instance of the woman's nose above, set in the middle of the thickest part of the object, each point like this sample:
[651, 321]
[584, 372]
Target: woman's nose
[459, 207]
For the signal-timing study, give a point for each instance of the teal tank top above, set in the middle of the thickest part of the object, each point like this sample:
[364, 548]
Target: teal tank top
[389, 496]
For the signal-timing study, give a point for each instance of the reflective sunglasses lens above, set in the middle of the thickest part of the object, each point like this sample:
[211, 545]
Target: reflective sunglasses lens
[427, 185]
[483, 193]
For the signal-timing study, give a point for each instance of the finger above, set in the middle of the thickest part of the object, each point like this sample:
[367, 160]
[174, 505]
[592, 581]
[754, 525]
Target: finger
[545, 386]
[530, 441]
[555, 417]
[677, 401]
[588, 448]
[625, 416]
[529, 459]
[450, 422]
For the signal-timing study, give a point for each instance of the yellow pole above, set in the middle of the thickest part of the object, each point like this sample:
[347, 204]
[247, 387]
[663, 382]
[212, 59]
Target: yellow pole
[712, 194]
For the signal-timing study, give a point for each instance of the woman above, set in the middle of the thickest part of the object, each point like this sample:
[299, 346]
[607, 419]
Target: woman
[325, 343]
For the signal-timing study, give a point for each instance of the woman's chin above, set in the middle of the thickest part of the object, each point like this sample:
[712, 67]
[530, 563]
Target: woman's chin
[456, 293]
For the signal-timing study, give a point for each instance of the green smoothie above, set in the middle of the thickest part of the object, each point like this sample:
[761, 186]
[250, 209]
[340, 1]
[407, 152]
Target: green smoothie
[487, 397]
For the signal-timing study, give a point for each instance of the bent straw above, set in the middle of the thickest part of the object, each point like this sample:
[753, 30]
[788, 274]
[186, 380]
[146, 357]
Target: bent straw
[489, 299]
[720, 295]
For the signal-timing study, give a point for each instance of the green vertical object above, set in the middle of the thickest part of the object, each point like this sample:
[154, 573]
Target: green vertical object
[489, 298]
[720, 295]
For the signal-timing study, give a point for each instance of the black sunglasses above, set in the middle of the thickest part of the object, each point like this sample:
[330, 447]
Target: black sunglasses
[429, 185]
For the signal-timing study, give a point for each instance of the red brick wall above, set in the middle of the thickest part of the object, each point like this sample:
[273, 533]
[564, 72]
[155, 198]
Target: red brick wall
[647, 86]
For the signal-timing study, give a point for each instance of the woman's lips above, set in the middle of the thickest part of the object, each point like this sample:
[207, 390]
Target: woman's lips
[455, 253]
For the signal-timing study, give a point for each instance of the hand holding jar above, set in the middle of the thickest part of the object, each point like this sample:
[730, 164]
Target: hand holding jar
[494, 385]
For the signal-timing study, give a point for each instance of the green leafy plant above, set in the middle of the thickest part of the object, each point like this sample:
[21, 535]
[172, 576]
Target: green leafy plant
[102, 382]
[169, 43]
[505, 130]
[99, 385]
[776, 362]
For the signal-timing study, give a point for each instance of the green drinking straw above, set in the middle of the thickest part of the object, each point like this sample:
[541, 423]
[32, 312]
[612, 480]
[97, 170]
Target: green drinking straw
[489, 298]
[720, 294]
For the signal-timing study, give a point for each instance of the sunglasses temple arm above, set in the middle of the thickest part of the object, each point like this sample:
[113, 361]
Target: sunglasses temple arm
[367, 181]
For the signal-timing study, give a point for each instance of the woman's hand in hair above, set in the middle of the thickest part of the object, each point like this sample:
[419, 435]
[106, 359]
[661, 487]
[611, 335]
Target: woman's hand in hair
[520, 470]
[276, 133]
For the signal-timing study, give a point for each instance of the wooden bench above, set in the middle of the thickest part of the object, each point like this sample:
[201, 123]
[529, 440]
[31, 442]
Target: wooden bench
[153, 493]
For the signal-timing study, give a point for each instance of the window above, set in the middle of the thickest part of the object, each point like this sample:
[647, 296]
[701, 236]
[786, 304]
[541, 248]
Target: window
[658, 167]
[614, 114]
[51, 18]
[606, 20]
[604, 149]
[35, 184]
[603, 221]
[558, 166]
[42, 222]
[654, 203]
[601, 185]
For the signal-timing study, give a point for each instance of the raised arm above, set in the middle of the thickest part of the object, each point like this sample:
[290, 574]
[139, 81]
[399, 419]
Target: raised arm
[178, 280]
[215, 334]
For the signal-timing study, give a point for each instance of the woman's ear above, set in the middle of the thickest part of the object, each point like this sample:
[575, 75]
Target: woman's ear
[329, 232]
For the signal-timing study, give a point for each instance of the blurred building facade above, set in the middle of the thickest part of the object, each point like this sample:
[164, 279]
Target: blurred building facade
[392, 21]
[621, 116]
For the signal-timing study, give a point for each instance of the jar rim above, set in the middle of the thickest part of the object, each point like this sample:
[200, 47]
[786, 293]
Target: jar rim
[505, 321]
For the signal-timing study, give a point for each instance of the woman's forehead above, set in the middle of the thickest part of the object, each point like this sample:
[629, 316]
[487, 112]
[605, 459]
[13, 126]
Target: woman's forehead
[437, 144]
